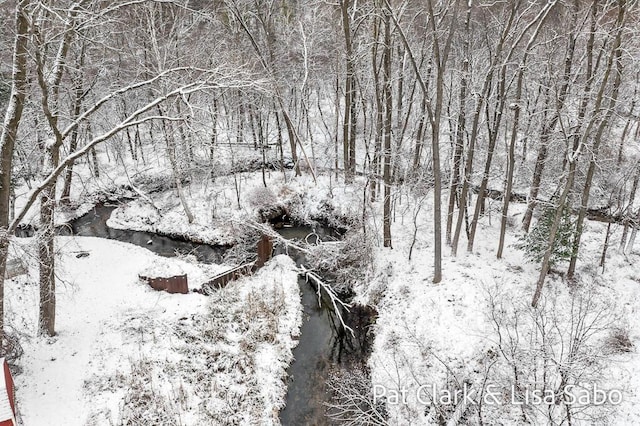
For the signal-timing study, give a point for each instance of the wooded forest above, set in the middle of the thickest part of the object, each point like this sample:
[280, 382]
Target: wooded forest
[506, 125]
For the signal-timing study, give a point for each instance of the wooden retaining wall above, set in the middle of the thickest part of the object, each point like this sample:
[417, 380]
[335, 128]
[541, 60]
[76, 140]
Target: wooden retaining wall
[175, 284]
[265, 250]
[221, 280]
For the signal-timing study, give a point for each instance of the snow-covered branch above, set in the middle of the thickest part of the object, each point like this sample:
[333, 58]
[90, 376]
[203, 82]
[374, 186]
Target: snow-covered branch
[333, 297]
[89, 111]
[131, 120]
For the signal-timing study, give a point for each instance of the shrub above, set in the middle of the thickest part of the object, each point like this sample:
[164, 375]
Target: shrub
[619, 341]
[345, 263]
[535, 242]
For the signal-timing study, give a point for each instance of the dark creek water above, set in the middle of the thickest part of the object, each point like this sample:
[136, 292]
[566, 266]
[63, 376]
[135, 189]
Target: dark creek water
[94, 224]
[323, 345]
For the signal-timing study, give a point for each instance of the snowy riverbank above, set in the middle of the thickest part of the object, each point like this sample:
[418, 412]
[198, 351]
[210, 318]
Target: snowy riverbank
[126, 353]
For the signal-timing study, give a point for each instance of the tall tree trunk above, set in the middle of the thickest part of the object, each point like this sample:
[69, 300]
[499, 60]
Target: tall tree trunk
[493, 130]
[50, 88]
[548, 128]
[214, 136]
[511, 161]
[79, 94]
[46, 250]
[461, 127]
[480, 103]
[349, 119]
[379, 114]
[615, 55]
[8, 139]
[579, 138]
[387, 129]
[441, 54]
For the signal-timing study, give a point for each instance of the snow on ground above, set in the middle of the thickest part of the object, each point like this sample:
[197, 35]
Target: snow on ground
[125, 353]
[219, 216]
[425, 333]
[120, 176]
[443, 335]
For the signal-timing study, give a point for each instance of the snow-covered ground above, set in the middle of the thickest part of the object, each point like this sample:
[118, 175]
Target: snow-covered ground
[126, 354]
[433, 339]
[444, 335]
[218, 215]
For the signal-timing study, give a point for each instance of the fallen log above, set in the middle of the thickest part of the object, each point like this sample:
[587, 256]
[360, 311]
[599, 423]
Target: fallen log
[599, 214]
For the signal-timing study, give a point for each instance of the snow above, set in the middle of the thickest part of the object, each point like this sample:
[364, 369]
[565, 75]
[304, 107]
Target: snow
[441, 334]
[120, 342]
[115, 332]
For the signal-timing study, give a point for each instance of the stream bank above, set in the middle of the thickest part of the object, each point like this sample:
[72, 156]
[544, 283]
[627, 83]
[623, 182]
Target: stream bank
[324, 345]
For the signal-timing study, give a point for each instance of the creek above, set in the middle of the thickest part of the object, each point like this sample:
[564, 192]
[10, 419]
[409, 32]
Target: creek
[323, 343]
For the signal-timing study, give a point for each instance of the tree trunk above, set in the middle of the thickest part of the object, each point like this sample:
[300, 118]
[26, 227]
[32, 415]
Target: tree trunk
[46, 255]
[171, 154]
[349, 119]
[480, 103]
[214, 137]
[379, 117]
[628, 209]
[511, 161]
[615, 55]
[493, 128]
[387, 130]
[441, 55]
[73, 141]
[579, 140]
[8, 137]
[460, 130]
[547, 129]
[50, 88]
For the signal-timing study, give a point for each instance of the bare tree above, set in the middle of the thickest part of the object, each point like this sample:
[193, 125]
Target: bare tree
[516, 121]
[580, 137]
[441, 50]
[388, 106]
[616, 56]
[480, 105]
[9, 136]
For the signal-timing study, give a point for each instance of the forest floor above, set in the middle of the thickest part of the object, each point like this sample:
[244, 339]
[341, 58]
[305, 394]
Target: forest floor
[441, 336]
[470, 328]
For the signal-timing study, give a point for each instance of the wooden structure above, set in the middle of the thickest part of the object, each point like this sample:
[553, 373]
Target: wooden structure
[221, 280]
[265, 250]
[175, 284]
[7, 397]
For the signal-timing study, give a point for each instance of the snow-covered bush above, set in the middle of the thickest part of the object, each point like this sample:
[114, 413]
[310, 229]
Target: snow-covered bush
[145, 403]
[619, 341]
[261, 197]
[245, 247]
[351, 399]
[346, 263]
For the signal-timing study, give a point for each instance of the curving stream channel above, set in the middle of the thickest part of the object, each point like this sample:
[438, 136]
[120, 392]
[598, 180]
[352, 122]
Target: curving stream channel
[323, 343]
